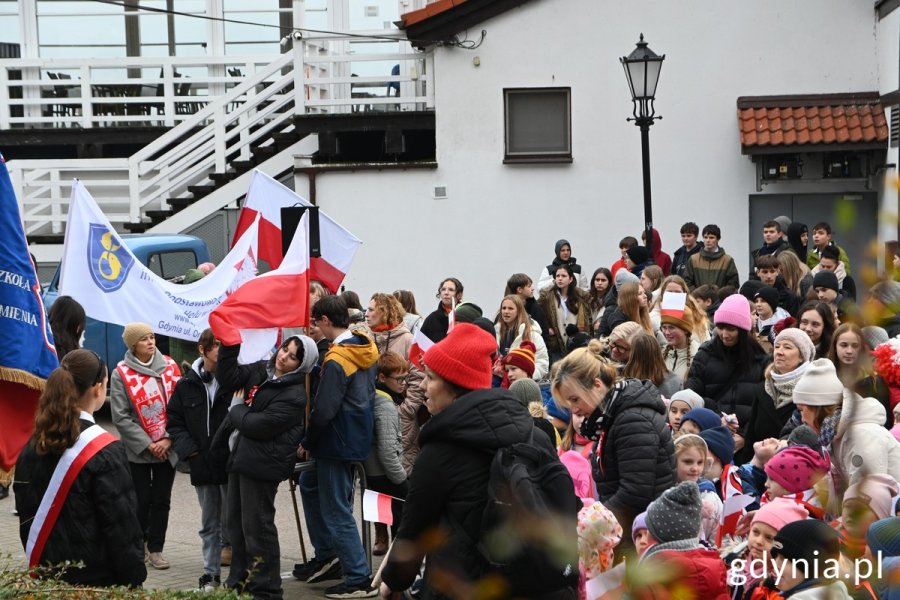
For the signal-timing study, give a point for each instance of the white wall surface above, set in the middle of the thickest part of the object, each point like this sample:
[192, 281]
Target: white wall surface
[500, 219]
[888, 33]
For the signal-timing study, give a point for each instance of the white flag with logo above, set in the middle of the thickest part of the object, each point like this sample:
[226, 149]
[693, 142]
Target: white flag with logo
[102, 274]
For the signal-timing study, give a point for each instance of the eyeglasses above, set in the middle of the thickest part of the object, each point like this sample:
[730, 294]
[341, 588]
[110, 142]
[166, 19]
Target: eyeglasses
[400, 379]
[314, 321]
[621, 348]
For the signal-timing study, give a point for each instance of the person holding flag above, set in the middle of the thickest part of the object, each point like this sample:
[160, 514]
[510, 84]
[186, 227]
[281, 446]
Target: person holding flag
[27, 355]
[263, 429]
[74, 493]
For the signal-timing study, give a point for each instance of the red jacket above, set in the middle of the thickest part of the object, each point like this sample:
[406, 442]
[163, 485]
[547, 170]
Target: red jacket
[698, 573]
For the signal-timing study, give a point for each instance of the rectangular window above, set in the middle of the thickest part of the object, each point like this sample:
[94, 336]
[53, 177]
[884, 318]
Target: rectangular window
[538, 125]
[169, 265]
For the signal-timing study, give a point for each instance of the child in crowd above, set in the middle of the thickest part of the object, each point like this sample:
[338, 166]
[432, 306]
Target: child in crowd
[753, 475]
[767, 314]
[682, 402]
[384, 471]
[707, 296]
[865, 502]
[639, 534]
[802, 552]
[698, 419]
[768, 269]
[750, 560]
[793, 474]
[598, 533]
[518, 364]
[675, 552]
[691, 460]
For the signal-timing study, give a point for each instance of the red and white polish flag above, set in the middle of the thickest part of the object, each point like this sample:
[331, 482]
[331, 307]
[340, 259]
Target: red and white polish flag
[673, 304]
[377, 507]
[266, 197]
[420, 345]
[279, 298]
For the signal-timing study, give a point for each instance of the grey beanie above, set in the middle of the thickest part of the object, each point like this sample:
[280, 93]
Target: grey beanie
[784, 222]
[875, 336]
[526, 391]
[624, 276]
[675, 515]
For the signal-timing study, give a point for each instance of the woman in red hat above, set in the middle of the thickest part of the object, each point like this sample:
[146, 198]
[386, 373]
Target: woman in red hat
[448, 488]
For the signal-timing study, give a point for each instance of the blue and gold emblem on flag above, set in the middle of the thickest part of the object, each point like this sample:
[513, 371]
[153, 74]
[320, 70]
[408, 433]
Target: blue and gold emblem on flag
[109, 261]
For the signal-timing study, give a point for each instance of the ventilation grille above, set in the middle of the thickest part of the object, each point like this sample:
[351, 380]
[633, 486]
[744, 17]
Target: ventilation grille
[895, 125]
[440, 191]
[371, 11]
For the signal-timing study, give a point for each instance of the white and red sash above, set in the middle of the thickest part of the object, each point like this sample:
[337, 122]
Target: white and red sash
[89, 442]
[148, 399]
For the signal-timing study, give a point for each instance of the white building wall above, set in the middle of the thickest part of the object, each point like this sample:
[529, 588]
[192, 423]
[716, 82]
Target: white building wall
[500, 219]
[888, 35]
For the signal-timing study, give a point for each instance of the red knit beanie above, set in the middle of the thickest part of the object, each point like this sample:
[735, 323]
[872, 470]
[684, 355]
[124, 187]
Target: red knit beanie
[522, 357]
[463, 357]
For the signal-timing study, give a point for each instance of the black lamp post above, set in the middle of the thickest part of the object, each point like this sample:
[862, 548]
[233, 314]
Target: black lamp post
[642, 69]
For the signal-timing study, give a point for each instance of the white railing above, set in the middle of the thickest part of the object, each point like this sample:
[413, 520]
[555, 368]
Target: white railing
[331, 74]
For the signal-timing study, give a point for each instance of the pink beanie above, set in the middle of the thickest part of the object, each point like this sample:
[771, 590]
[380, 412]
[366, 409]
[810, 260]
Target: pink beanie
[779, 512]
[797, 468]
[734, 311]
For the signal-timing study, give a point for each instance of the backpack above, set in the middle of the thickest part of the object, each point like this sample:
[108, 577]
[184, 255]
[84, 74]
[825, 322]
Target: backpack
[529, 525]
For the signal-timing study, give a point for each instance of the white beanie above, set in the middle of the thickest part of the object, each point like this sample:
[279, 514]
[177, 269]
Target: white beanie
[689, 397]
[819, 385]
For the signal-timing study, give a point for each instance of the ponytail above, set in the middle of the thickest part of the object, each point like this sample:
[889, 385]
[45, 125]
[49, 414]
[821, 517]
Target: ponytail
[56, 425]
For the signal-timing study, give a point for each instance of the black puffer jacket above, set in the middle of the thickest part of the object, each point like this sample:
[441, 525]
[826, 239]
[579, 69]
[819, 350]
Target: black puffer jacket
[713, 376]
[98, 522]
[271, 427]
[192, 423]
[436, 324]
[635, 459]
[448, 487]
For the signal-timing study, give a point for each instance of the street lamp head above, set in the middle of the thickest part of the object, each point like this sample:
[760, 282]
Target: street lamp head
[642, 69]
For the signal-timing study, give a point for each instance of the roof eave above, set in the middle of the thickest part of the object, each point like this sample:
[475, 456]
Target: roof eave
[444, 26]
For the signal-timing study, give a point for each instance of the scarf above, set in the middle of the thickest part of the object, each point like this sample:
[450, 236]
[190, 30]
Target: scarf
[781, 387]
[675, 546]
[829, 429]
[383, 327]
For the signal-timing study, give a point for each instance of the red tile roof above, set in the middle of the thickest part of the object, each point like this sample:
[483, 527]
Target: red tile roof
[768, 121]
[430, 10]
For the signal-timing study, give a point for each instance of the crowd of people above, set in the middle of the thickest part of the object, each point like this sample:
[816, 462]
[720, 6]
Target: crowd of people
[712, 437]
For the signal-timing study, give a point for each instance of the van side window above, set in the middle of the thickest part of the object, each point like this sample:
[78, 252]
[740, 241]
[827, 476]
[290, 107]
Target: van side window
[172, 264]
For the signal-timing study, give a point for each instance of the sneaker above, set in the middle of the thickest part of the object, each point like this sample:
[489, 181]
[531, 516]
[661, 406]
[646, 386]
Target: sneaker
[318, 570]
[344, 590]
[225, 559]
[208, 583]
[158, 561]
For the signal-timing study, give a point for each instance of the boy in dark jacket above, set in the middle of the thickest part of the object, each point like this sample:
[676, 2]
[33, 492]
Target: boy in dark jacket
[689, 247]
[340, 433]
[195, 411]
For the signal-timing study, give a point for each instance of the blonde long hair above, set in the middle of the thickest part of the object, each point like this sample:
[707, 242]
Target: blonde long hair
[522, 318]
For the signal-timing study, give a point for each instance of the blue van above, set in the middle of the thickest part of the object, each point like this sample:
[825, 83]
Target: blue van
[169, 256]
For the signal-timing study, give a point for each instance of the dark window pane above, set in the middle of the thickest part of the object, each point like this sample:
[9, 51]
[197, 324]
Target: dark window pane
[538, 122]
